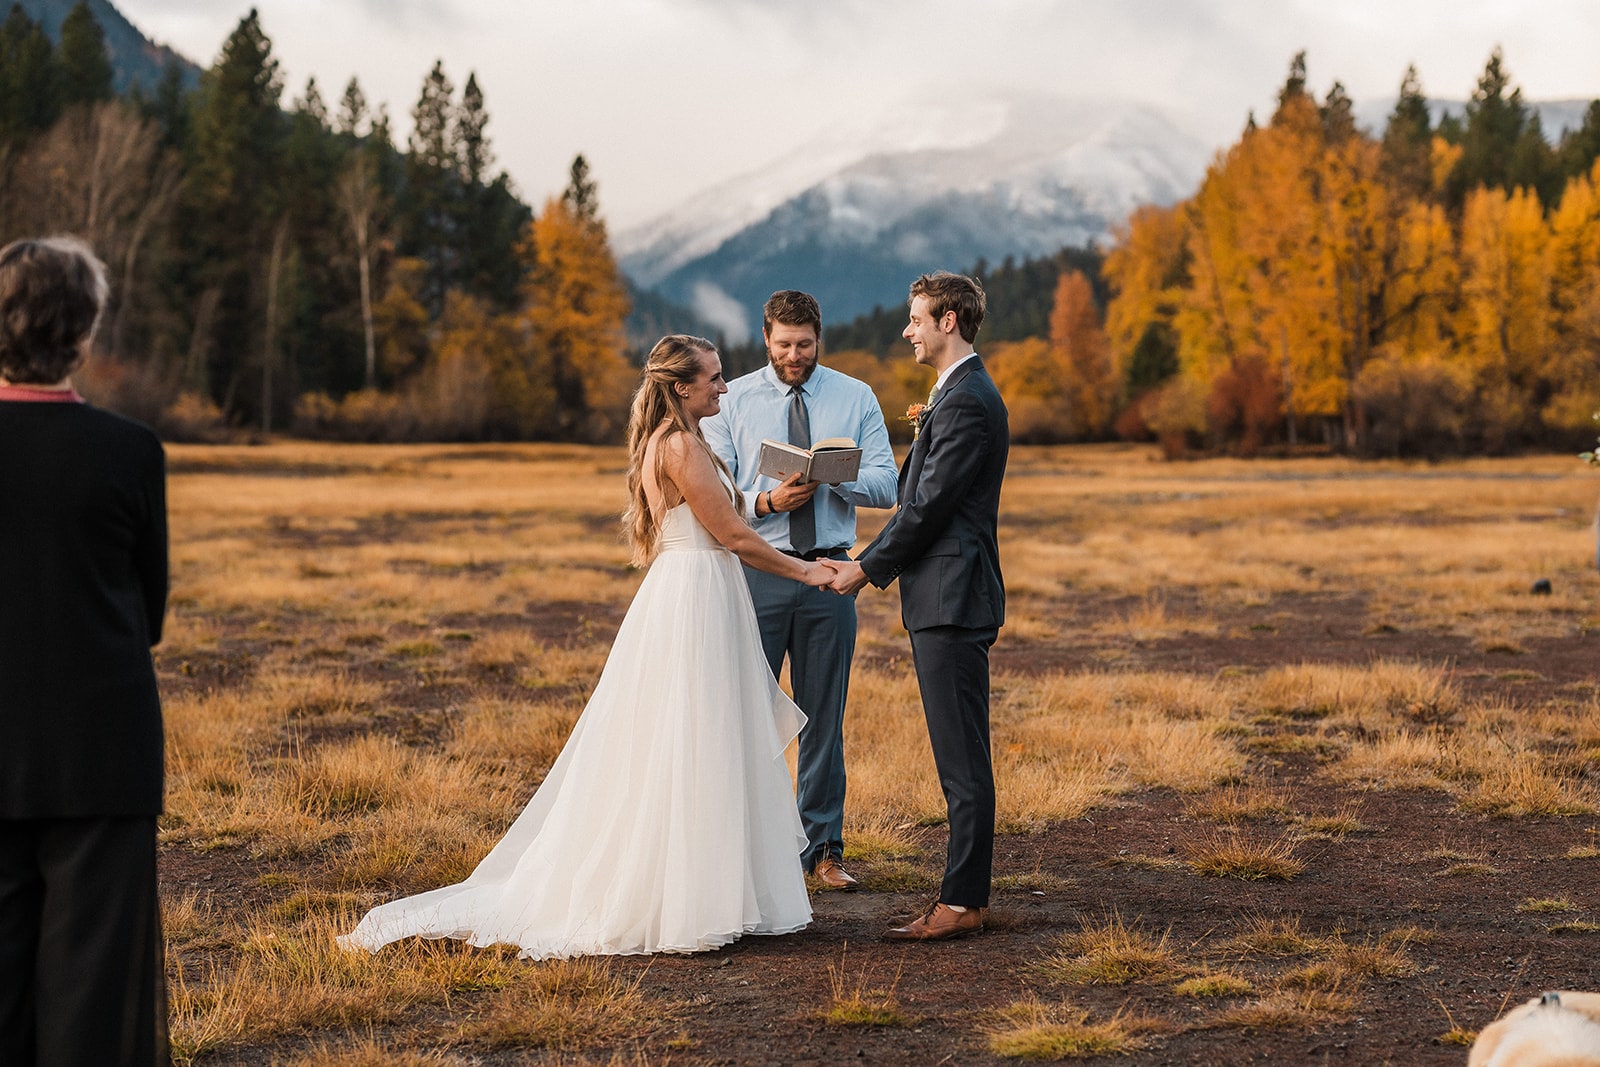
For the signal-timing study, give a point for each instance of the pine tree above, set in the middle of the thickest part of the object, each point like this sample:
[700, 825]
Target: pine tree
[234, 202]
[1408, 141]
[434, 186]
[471, 142]
[1581, 147]
[490, 220]
[1502, 146]
[85, 66]
[581, 195]
[30, 79]
[1338, 115]
[172, 108]
[352, 109]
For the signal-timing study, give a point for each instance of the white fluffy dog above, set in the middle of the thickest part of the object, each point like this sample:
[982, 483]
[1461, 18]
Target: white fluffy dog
[1555, 1030]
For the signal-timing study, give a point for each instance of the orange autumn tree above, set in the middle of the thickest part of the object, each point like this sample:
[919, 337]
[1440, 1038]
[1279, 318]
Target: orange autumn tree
[1574, 359]
[1504, 311]
[1393, 304]
[1063, 388]
[574, 305]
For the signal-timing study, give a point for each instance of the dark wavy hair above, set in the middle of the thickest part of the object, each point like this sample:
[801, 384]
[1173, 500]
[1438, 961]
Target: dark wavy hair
[791, 307]
[953, 292]
[52, 291]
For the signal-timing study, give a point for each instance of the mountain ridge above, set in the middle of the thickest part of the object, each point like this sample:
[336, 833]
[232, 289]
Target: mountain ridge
[1028, 176]
[135, 59]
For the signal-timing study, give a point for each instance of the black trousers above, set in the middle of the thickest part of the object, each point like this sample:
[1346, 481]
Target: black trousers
[953, 675]
[81, 976]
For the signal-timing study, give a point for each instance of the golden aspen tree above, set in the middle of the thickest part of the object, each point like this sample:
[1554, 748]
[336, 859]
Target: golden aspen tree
[1574, 365]
[476, 383]
[1504, 317]
[1029, 377]
[1145, 269]
[1424, 277]
[575, 303]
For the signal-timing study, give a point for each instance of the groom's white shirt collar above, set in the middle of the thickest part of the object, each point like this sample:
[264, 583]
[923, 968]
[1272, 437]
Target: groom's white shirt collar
[944, 375]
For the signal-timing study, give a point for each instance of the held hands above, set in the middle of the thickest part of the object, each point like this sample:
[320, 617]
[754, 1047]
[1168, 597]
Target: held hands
[848, 577]
[791, 493]
[821, 573]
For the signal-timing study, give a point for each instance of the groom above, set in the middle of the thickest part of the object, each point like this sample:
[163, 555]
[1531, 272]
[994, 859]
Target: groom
[941, 544]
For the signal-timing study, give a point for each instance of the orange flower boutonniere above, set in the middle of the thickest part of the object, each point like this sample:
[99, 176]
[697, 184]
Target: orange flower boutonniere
[914, 417]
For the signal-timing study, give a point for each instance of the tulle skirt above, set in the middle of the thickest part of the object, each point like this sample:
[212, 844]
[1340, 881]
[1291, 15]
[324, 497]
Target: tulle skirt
[668, 822]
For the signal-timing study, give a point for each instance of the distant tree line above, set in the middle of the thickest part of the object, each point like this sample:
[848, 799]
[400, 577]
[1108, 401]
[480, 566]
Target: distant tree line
[292, 269]
[1433, 289]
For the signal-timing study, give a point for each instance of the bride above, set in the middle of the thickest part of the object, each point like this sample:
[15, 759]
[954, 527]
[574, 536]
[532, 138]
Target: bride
[668, 822]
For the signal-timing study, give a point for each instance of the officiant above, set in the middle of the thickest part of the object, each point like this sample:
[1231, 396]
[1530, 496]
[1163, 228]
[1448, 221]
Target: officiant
[795, 398]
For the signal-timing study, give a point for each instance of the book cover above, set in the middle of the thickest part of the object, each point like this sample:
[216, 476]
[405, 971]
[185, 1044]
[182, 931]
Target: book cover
[832, 460]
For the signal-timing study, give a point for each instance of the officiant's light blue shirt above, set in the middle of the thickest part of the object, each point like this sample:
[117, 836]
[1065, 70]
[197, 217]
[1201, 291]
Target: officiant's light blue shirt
[756, 406]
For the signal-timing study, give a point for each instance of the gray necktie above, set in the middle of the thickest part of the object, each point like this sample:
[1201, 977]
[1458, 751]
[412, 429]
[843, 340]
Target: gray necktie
[802, 520]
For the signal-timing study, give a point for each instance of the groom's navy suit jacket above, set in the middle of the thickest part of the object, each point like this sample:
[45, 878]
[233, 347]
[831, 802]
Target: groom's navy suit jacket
[941, 542]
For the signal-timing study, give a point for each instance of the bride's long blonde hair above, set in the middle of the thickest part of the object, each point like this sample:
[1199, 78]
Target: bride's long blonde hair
[675, 358]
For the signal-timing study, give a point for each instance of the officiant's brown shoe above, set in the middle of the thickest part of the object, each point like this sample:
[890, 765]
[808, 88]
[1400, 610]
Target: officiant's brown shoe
[831, 873]
[939, 923]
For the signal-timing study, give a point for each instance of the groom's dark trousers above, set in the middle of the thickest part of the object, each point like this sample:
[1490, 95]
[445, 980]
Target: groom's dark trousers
[941, 543]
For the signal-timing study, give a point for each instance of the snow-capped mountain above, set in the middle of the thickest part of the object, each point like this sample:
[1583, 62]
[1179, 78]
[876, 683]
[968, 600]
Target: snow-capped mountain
[854, 218]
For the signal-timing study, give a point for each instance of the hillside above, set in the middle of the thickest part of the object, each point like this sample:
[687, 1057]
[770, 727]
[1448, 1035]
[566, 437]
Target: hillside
[135, 59]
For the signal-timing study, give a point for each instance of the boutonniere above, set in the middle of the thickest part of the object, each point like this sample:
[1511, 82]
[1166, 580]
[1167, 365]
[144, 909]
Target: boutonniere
[914, 417]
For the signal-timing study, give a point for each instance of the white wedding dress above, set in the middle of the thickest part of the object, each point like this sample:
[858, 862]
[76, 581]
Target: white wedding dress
[668, 822]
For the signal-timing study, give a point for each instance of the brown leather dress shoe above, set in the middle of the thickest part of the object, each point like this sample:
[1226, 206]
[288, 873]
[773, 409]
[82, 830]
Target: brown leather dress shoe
[831, 873]
[938, 923]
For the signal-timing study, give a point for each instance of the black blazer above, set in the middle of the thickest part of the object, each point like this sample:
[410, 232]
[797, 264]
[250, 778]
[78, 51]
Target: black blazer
[83, 587]
[941, 542]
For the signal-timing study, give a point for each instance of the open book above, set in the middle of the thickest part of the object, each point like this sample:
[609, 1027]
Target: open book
[832, 460]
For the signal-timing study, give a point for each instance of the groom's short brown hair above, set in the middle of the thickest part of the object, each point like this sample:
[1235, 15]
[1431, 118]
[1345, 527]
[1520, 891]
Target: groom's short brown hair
[948, 292]
[792, 308]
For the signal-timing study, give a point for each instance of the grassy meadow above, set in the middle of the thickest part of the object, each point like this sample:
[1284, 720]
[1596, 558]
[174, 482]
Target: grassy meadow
[373, 654]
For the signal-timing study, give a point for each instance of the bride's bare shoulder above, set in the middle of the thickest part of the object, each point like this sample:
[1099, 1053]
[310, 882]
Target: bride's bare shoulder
[675, 447]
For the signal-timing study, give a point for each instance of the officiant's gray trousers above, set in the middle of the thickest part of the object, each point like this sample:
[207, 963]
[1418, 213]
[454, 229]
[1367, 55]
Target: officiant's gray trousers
[816, 630]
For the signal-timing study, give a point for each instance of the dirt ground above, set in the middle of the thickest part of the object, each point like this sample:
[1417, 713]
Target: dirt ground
[1474, 952]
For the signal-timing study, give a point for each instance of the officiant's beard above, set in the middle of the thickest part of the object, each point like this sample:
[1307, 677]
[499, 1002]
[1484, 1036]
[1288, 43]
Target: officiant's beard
[790, 373]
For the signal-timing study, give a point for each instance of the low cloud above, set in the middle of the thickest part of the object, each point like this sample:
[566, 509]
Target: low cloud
[712, 303]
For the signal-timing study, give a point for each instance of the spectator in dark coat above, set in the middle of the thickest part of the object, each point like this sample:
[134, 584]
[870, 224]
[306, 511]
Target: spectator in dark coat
[83, 586]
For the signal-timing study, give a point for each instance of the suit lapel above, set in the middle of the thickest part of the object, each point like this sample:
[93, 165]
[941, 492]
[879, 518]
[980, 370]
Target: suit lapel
[908, 480]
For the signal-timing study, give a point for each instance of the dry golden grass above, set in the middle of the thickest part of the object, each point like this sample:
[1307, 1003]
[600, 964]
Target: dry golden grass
[1031, 1030]
[1546, 904]
[1214, 985]
[1286, 1011]
[1110, 952]
[374, 653]
[1267, 936]
[1234, 855]
[863, 1002]
[369, 1052]
[1238, 804]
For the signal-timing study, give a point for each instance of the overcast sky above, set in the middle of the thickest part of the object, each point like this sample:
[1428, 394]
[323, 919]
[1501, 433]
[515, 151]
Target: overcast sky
[666, 97]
